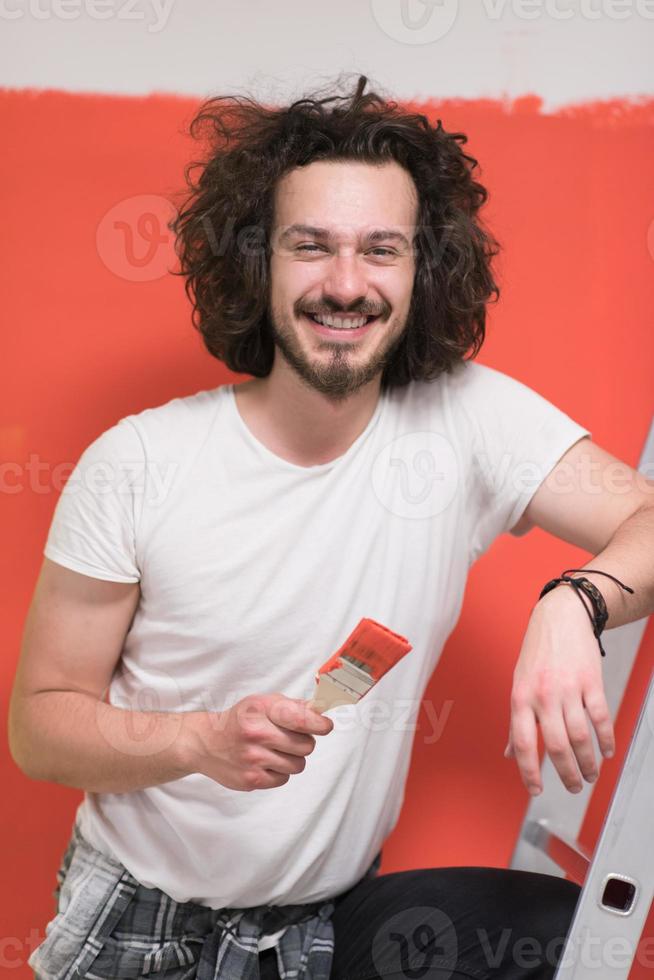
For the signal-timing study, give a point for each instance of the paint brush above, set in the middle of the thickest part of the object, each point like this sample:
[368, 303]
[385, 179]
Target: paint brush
[368, 653]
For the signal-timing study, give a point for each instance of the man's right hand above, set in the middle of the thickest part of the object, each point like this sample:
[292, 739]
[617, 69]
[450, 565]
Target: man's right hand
[258, 743]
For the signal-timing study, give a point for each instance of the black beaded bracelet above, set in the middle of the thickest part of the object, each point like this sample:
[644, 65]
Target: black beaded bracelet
[581, 585]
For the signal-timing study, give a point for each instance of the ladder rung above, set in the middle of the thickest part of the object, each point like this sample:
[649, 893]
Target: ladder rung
[571, 856]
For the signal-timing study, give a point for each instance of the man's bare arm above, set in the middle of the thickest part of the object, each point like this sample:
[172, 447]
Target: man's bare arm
[60, 727]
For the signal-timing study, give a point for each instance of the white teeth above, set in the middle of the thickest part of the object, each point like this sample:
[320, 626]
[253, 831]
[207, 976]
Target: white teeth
[339, 323]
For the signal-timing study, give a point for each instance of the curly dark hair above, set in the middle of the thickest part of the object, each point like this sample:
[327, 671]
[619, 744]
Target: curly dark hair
[230, 207]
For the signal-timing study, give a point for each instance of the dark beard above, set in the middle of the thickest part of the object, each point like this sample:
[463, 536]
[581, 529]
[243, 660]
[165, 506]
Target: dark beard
[338, 378]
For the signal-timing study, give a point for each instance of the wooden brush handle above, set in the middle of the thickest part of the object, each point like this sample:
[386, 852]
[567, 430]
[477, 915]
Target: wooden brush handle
[328, 695]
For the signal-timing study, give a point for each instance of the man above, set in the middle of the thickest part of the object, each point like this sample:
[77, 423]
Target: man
[208, 554]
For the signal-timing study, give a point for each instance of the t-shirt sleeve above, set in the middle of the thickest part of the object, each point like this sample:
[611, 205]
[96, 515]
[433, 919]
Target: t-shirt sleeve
[516, 437]
[95, 522]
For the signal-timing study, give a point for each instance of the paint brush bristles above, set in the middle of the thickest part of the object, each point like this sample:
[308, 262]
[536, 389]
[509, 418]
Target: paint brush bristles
[368, 653]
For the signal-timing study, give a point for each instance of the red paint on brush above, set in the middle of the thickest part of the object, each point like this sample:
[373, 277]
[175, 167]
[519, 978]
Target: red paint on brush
[371, 646]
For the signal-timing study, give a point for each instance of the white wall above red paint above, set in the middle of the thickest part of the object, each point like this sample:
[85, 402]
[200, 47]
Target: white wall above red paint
[564, 51]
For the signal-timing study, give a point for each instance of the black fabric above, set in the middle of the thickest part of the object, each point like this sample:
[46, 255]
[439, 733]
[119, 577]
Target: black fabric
[447, 924]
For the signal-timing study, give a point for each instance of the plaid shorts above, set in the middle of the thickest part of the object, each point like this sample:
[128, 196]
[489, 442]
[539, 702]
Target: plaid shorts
[110, 926]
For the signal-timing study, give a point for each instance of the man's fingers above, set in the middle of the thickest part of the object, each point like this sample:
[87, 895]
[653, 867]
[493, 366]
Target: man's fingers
[557, 745]
[299, 740]
[599, 714]
[317, 724]
[296, 715]
[284, 762]
[580, 738]
[524, 741]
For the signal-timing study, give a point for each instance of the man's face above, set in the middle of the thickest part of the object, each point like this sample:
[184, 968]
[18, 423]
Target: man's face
[342, 247]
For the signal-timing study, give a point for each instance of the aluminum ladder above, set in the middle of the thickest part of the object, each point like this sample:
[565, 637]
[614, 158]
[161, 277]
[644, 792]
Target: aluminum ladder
[617, 878]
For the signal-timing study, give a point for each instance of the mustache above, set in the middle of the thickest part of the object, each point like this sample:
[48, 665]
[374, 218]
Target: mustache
[332, 310]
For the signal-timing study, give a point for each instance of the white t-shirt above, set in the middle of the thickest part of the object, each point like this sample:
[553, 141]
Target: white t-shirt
[253, 570]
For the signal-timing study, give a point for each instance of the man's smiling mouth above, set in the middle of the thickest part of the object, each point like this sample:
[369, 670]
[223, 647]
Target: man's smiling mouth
[341, 322]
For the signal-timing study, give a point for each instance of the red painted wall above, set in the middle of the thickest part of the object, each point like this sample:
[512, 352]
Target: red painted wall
[95, 331]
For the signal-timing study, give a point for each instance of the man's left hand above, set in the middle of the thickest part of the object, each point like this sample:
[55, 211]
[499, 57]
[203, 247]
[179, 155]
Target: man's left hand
[557, 679]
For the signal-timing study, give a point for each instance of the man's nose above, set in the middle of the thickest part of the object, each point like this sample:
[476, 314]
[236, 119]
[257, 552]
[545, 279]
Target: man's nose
[346, 280]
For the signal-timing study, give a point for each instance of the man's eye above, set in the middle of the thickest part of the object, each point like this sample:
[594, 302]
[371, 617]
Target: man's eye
[378, 249]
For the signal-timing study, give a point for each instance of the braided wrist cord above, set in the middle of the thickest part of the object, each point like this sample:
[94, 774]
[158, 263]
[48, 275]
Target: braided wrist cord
[581, 585]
